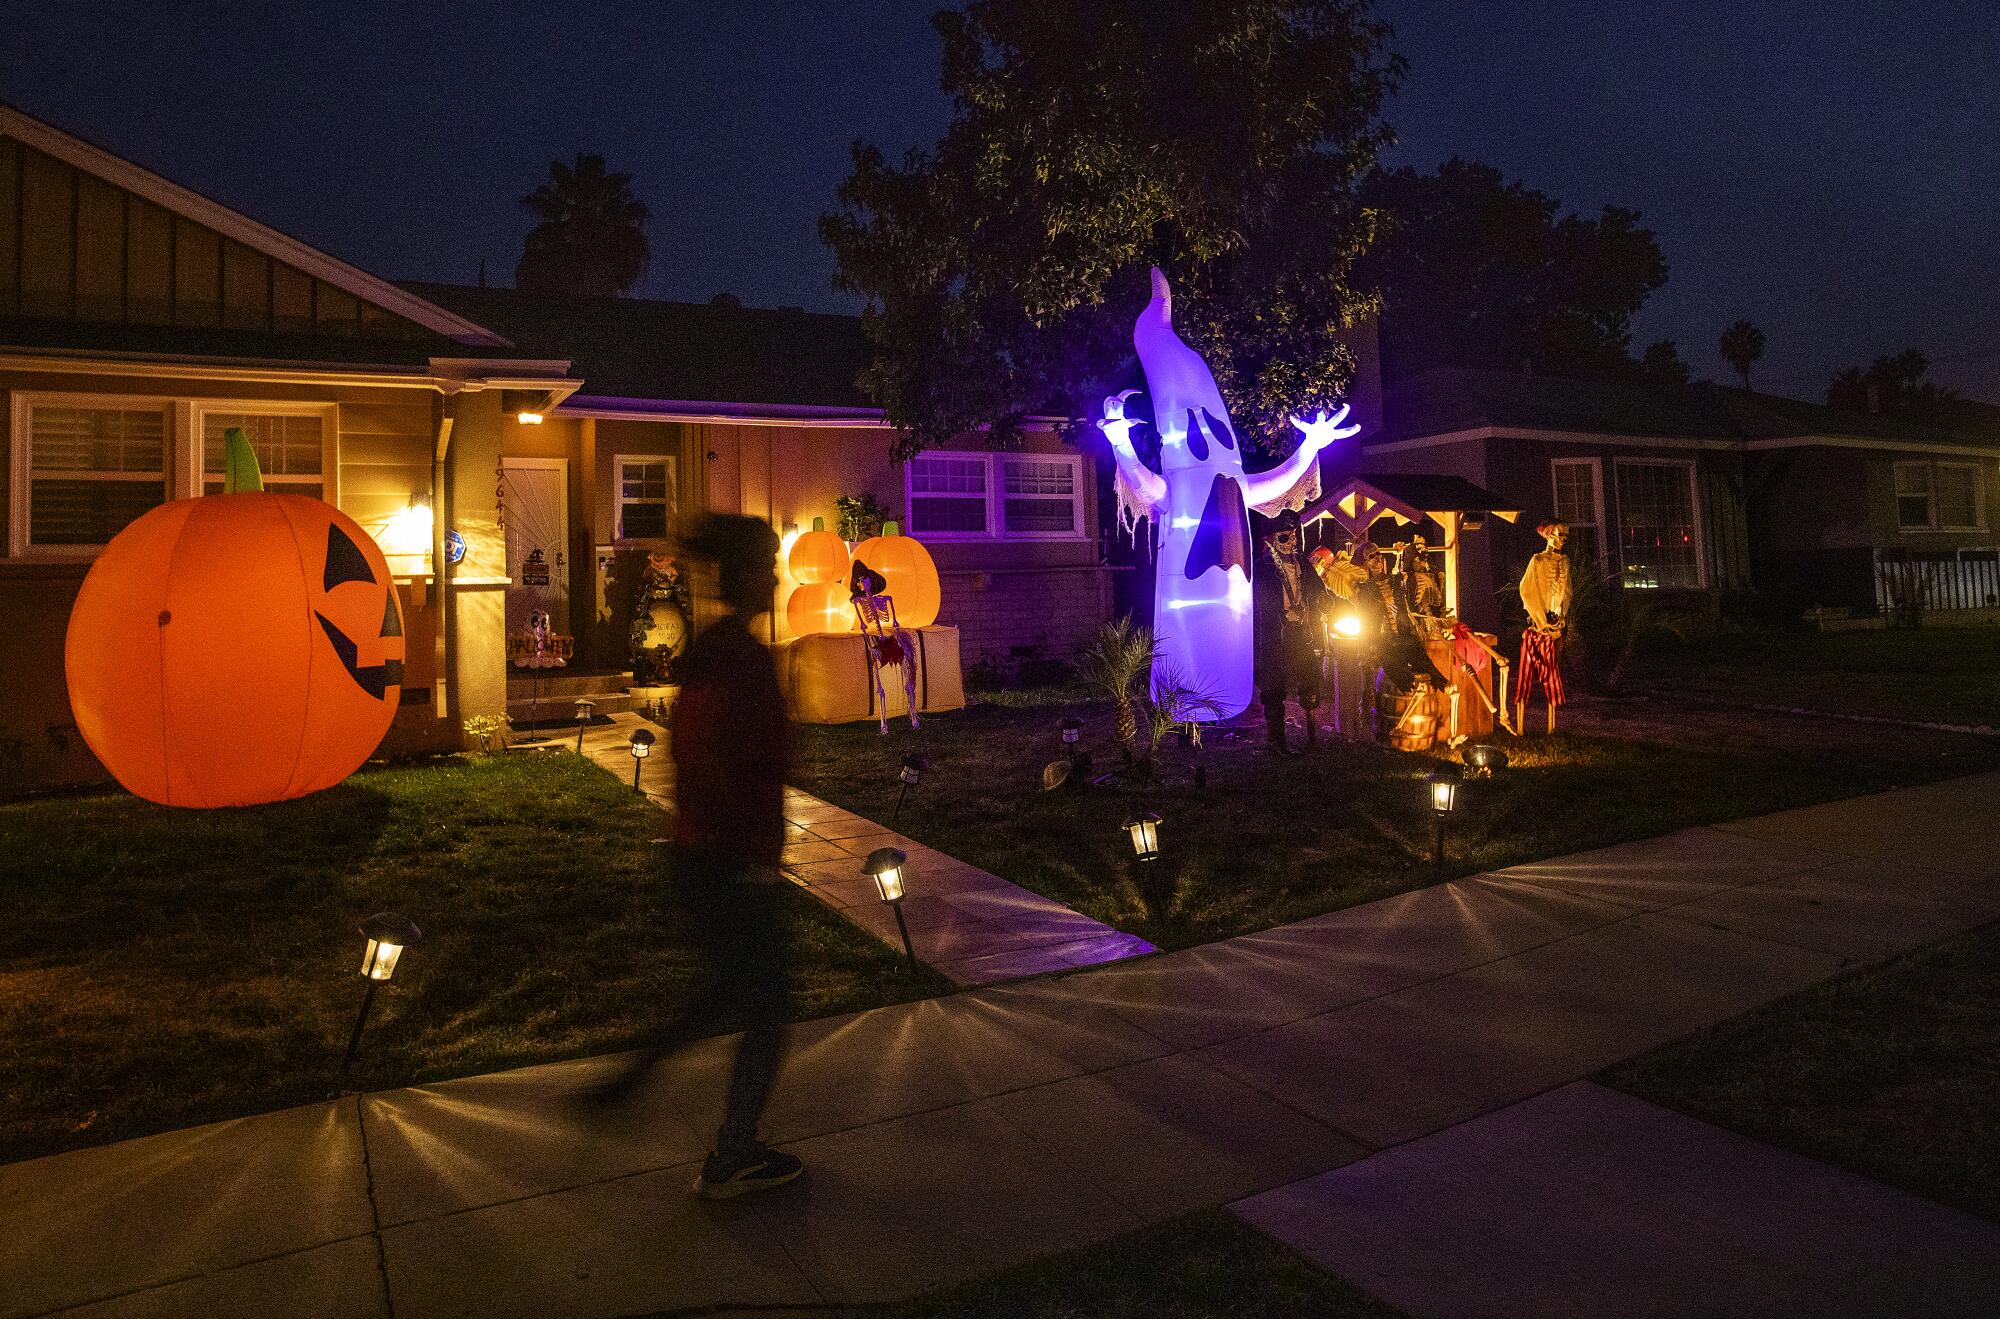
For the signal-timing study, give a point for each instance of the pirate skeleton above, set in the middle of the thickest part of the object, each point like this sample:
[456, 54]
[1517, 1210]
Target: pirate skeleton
[1290, 606]
[887, 643]
[1545, 595]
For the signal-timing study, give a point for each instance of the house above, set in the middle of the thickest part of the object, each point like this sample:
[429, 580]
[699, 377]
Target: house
[1702, 488]
[538, 449]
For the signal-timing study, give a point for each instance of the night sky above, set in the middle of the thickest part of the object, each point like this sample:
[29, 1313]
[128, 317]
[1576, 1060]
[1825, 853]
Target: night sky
[1830, 170]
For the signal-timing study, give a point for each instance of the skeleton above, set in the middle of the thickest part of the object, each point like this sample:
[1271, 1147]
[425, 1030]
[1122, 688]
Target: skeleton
[888, 644]
[1199, 499]
[1545, 595]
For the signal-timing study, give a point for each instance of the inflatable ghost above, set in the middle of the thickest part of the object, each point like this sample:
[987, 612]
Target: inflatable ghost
[1200, 500]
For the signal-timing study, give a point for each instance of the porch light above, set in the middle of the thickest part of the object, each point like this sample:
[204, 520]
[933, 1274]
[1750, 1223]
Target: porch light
[1347, 625]
[885, 866]
[1483, 758]
[641, 746]
[584, 710]
[407, 534]
[1145, 832]
[527, 418]
[388, 933]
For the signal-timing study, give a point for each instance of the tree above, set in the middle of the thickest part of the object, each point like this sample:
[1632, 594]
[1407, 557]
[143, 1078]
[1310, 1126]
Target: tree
[1741, 345]
[1662, 365]
[592, 238]
[1476, 271]
[1218, 139]
[1889, 384]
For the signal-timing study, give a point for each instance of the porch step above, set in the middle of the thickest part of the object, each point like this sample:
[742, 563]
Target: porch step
[561, 684]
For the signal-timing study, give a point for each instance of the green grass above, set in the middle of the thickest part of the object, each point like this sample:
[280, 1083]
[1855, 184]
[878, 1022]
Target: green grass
[160, 967]
[1270, 841]
[1945, 675]
[1207, 1265]
[1891, 1072]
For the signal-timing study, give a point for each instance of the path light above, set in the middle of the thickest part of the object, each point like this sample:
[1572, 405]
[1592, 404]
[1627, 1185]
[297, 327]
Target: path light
[1072, 732]
[642, 746]
[584, 710]
[1145, 831]
[910, 775]
[885, 866]
[1442, 785]
[388, 934]
[1484, 759]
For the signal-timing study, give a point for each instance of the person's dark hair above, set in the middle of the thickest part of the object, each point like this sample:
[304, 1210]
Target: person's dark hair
[744, 551]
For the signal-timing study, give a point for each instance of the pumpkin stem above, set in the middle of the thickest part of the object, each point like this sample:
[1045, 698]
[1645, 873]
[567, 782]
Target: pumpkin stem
[240, 473]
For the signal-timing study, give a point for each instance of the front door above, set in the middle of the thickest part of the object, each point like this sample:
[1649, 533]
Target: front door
[535, 504]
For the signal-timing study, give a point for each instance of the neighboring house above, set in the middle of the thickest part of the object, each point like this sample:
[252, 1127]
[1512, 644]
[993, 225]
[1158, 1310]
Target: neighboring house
[1702, 488]
[717, 406]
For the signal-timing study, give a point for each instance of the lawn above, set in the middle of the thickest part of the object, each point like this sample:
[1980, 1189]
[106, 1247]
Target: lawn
[1890, 1072]
[1207, 1265]
[1270, 841]
[1947, 675]
[160, 968]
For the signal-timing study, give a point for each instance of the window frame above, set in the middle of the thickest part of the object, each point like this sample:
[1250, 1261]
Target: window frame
[198, 409]
[1596, 466]
[1934, 512]
[1686, 465]
[21, 468]
[619, 501]
[995, 464]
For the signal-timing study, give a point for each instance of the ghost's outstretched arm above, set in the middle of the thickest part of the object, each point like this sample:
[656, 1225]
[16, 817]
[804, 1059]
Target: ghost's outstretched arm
[1139, 478]
[1320, 432]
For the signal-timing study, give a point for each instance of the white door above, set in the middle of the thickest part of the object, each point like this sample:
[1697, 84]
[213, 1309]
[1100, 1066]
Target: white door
[535, 499]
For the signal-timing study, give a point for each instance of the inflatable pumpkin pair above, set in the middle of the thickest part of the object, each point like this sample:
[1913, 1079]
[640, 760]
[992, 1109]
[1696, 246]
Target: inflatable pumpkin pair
[236, 648]
[819, 561]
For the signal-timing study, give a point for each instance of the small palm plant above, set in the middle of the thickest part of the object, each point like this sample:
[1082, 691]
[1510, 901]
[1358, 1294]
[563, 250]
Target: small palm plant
[1114, 661]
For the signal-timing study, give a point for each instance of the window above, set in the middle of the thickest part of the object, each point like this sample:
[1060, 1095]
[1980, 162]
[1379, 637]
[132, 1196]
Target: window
[645, 497]
[1939, 497]
[1579, 497]
[290, 449]
[88, 470]
[996, 496]
[1659, 540]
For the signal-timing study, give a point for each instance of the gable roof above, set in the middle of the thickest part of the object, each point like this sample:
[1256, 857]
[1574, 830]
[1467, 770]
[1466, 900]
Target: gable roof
[233, 225]
[690, 354]
[1452, 399]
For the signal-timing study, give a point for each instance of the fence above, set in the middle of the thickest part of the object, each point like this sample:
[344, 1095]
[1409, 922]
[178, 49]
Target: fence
[1965, 579]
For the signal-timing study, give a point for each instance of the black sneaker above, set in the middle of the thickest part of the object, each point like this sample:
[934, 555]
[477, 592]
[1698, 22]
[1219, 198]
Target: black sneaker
[758, 1168]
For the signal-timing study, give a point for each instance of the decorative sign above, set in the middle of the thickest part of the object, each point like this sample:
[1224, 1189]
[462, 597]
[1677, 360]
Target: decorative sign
[535, 570]
[454, 547]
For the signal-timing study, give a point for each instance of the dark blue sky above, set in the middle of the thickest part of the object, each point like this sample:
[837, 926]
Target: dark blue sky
[1830, 170]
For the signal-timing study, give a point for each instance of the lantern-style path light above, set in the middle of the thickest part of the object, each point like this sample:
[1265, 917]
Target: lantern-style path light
[1072, 732]
[885, 866]
[388, 934]
[641, 747]
[910, 775]
[1144, 831]
[584, 710]
[1441, 784]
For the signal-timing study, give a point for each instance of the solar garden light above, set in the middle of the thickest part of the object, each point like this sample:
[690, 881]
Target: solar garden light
[911, 774]
[1484, 759]
[885, 866]
[388, 934]
[1072, 732]
[584, 709]
[1442, 784]
[642, 746]
[1145, 832]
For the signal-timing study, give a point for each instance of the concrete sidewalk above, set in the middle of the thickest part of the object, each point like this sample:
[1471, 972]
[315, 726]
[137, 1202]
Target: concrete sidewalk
[952, 1137]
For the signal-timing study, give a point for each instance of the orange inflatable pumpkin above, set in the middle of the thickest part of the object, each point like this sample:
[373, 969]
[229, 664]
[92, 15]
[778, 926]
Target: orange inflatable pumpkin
[234, 649]
[912, 576]
[820, 607]
[818, 556]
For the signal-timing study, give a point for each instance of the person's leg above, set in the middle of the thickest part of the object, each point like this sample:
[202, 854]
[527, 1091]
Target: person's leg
[757, 972]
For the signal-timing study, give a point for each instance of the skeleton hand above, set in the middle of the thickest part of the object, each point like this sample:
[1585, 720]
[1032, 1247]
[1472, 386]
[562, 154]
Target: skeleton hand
[1323, 430]
[1117, 427]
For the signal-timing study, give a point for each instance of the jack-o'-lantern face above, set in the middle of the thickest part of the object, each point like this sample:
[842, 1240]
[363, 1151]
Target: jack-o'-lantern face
[359, 615]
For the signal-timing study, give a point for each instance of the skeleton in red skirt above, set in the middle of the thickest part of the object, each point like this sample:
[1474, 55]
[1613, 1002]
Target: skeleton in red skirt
[889, 644]
[1545, 595]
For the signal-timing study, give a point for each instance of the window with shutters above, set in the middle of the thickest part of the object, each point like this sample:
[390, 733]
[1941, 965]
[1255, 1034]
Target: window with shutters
[995, 496]
[86, 471]
[291, 447]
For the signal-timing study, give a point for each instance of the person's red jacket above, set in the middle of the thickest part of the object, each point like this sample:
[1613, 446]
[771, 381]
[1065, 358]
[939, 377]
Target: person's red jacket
[731, 748]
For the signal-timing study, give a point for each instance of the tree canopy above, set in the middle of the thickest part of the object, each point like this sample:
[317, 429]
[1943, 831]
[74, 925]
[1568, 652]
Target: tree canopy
[592, 238]
[1478, 271]
[1218, 139]
[1890, 384]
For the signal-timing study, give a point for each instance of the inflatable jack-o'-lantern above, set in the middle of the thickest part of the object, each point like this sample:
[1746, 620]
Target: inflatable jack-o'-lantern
[819, 607]
[236, 648]
[817, 556]
[911, 574]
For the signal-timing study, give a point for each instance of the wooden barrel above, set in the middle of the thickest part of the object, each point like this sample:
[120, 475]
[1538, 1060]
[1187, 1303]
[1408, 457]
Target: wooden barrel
[1409, 719]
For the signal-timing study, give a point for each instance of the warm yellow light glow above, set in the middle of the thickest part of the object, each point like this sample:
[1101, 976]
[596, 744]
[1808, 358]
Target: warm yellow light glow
[1348, 625]
[641, 750]
[528, 418]
[1442, 792]
[889, 883]
[1145, 833]
[407, 533]
[378, 962]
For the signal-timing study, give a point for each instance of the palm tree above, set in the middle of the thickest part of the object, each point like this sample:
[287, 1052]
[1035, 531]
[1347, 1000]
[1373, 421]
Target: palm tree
[1116, 658]
[592, 238]
[1742, 344]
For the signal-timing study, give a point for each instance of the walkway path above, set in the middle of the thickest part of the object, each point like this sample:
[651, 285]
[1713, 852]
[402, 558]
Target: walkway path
[955, 1136]
[973, 927]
